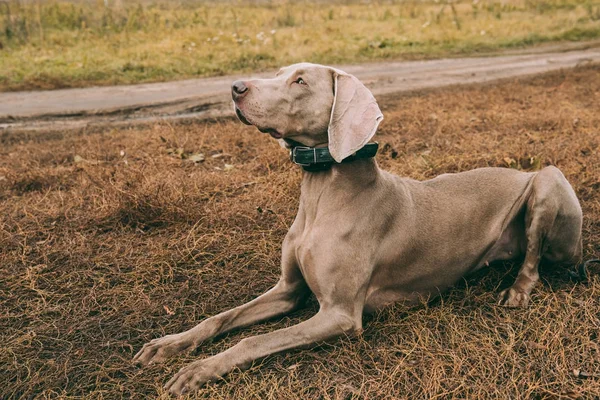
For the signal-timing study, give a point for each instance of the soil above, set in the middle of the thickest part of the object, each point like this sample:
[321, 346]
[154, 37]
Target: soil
[210, 97]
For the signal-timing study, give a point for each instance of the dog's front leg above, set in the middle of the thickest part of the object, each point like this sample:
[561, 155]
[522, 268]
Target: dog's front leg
[288, 294]
[281, 299]
[326, 324]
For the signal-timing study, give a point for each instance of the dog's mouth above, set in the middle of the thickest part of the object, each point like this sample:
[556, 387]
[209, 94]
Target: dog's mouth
[241, 116]
[273, 132]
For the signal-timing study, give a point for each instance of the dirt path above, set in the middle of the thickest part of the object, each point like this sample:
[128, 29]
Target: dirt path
[209, 98]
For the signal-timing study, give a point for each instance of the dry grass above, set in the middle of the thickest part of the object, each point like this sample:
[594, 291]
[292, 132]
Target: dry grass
[52, 44]
[105, 251]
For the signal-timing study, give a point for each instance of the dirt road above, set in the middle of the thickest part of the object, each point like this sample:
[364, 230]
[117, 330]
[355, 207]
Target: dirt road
[210, 97]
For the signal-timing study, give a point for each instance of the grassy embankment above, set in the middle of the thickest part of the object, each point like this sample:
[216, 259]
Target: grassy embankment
[54, 44]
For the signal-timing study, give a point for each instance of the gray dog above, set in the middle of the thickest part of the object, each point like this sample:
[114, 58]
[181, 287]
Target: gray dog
[364, 238]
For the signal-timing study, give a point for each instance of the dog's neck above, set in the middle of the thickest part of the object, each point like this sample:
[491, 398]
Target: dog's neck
[327, 192]
[356, 167]
[358, 173]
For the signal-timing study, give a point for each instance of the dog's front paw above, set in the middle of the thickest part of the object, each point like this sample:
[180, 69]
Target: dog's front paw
[513, 298]
[158, 350]
[194, 375]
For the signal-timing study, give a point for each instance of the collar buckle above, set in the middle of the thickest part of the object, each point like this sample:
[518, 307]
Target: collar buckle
[293, 155]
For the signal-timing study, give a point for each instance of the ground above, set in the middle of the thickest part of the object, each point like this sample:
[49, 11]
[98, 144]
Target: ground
[55, 44]
[112, 237]
[207, 98]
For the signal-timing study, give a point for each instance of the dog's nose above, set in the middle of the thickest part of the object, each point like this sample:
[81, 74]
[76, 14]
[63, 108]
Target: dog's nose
[239, 88]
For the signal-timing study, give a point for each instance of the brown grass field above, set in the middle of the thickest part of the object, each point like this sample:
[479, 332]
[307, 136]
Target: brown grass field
[110, 238]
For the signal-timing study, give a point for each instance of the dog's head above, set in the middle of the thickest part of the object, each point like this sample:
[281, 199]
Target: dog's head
[311, 105]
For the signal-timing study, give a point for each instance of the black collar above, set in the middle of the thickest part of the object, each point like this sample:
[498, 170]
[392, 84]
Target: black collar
[319, 158]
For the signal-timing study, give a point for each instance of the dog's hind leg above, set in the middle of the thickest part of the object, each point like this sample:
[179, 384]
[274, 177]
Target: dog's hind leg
[553, 222]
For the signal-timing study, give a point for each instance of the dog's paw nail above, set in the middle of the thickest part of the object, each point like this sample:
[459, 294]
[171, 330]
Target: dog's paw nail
[513, 298]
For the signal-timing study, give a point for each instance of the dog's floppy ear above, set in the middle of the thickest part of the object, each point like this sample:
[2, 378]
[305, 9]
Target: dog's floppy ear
[355, 116]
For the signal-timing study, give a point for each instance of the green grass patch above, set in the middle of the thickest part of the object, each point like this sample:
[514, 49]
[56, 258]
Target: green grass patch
[73, 44]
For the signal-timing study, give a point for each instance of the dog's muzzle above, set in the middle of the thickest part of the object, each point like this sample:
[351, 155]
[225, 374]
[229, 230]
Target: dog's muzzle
[241, 116]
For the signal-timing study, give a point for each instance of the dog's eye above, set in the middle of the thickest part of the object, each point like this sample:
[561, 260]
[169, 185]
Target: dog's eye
[300, 81]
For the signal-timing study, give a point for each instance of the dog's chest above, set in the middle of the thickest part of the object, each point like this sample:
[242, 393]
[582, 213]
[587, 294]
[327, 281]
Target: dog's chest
[326, 246]
[310, 250]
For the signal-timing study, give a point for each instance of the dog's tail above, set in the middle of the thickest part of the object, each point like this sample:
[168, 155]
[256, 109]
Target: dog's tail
[581, 274]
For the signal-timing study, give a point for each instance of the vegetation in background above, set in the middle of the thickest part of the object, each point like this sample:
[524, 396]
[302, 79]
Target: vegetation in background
[51, 44]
